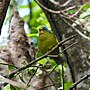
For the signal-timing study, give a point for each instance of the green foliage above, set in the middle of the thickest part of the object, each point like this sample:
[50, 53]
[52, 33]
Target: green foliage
[24, 6]
[71, 11]
[9, 87]
[68, 84]
[37, 19]
[43, 61]
[84, 19]
[85, 14]
[86, 6]
[11, 67]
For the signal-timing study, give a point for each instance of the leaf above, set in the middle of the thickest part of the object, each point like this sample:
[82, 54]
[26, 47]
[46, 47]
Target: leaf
[24, 6]
[9, 87]
[43, 61]
[11, 67]
[32, 35]
[25, 18]
[71, 11]
[86, 6]
[68, 84]
[14, 88]
[39, 54]
[85, 14]
[53, 63]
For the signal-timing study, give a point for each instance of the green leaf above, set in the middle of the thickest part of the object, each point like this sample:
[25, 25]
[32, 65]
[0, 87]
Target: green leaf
[71, 11]
[84, 15]
[32, 35]
[24, 6]
[39, 54]
[14, 88]
[68, 84]
[11, 67]
[53, 63]
[86, 6]
[43, 61]
[25, 18]
[59, 67]
[9, 87]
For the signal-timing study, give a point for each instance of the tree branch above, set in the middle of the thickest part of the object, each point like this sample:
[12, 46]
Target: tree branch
[3, 10]
[79, 81]
[43, 56]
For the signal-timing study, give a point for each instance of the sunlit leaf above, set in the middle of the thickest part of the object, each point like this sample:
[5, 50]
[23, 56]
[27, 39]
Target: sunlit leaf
[25, 18]
[24, 6]
[68, 84]
[86, 6]
[32, 35]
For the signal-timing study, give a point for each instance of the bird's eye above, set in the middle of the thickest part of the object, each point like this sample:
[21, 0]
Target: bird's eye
[40, 29]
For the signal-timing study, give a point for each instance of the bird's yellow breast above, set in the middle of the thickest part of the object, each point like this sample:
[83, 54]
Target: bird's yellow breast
[46, 41]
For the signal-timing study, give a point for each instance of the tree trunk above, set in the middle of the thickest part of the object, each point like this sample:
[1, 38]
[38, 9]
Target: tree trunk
[76, 55]
[3, 9]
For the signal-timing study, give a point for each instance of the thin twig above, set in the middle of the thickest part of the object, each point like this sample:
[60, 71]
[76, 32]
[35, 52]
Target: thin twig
[63, 50]
[30, 79]
[54, 2]
[58, 12]
[52, 69]
[46, 86]
[47, 75]
[12, 82]
[69, 8]
[79, 81]
[8, 65]
[63, 76]
[60, 5]
[49, 10]
[88, 62]
[66, 3]
[77, 12]
[54, 11]
[43, 56]
[80, 33]
[68, 47]
[62, 64]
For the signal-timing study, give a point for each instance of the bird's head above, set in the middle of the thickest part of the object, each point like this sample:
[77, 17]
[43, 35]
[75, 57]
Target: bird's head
[43, 29]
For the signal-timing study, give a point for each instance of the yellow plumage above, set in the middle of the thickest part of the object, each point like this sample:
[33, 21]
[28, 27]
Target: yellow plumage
[46, 41]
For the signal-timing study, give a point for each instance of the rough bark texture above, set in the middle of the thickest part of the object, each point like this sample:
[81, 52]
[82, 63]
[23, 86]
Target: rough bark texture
[19, 52]
[3, 9]
[77, 56]
[20, 46]
[20, 49]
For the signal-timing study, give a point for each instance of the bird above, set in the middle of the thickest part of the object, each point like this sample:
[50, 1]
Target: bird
[46, 41]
